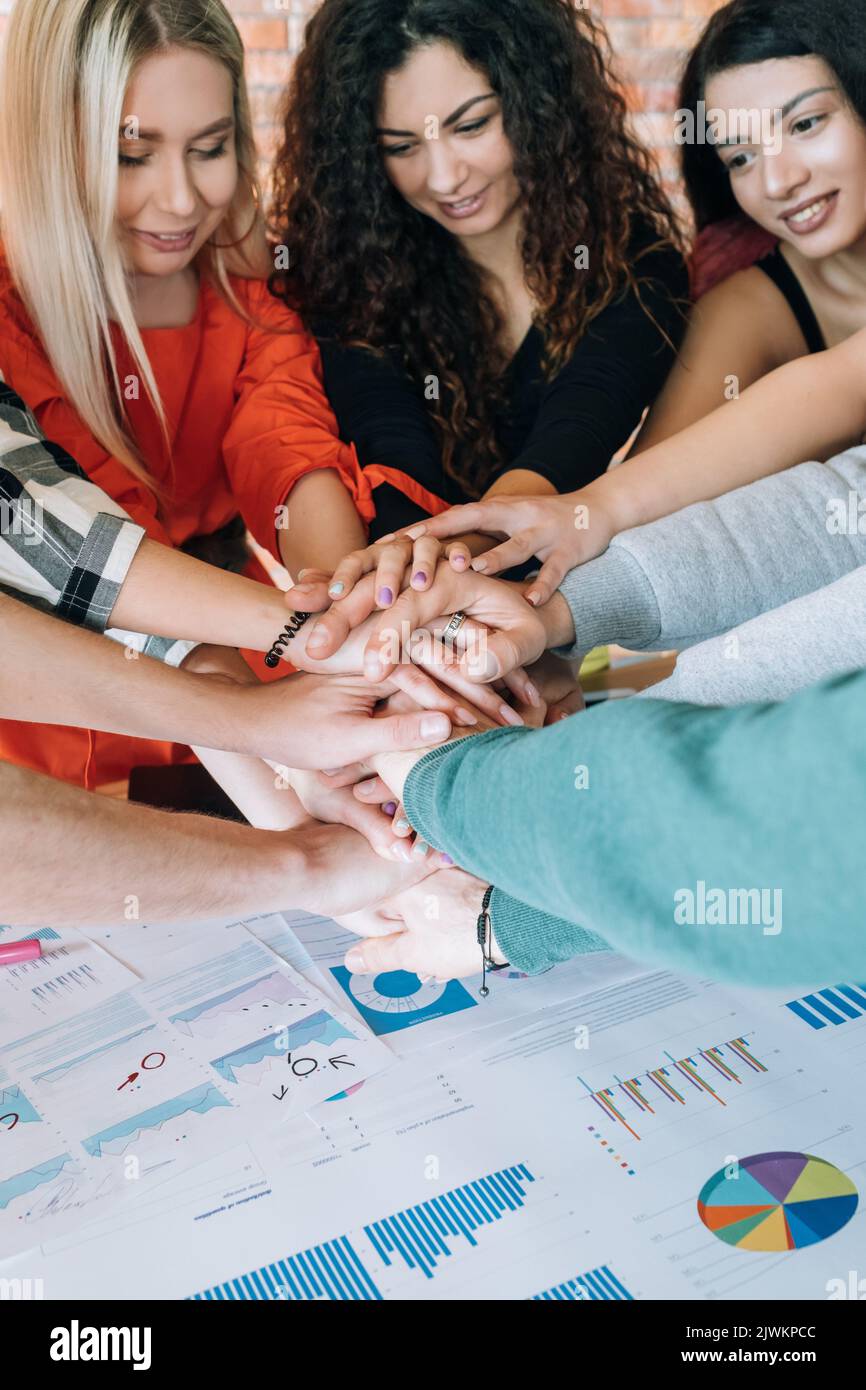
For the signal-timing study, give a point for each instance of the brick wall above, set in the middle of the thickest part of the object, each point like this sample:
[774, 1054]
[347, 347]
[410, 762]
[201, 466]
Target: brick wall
[650, 38]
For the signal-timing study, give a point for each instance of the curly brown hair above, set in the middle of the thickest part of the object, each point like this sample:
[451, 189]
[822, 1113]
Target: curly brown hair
[382, 275]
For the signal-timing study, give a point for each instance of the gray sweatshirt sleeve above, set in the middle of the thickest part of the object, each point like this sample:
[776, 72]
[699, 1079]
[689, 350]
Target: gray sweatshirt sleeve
[773, 656]
[712, 566]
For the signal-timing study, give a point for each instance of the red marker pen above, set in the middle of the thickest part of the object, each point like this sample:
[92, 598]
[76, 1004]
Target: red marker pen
[17, 951]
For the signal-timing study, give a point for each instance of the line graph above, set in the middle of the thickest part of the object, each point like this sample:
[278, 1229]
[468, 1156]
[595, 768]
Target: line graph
[118, 1138]
[264, 1001]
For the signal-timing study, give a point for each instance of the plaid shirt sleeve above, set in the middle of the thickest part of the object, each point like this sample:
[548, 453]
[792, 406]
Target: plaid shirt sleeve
[65, 546]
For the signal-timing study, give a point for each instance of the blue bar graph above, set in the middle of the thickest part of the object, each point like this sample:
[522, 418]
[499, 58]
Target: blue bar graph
[420, 1237]
[833, 1006]
[597, 1284]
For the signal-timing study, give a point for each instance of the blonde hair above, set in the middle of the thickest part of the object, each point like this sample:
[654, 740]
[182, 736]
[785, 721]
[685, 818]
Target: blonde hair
[67, 66]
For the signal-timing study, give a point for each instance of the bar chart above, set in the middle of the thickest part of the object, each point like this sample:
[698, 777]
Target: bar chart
[828, 1008]
[711, 1074]
[596, 1284]
[417, 1239]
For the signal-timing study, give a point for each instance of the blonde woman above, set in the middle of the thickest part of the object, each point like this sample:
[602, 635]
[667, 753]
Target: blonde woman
[135, 318]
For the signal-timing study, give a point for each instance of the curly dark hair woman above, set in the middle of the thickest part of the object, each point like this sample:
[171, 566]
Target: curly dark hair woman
[480, 244]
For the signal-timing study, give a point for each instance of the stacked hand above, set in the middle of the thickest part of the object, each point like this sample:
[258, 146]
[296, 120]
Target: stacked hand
[503, 635]
[562, 532]
[428, 928]
[382, 687]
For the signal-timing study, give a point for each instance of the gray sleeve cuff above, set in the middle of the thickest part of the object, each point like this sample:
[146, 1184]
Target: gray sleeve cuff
[611, 600]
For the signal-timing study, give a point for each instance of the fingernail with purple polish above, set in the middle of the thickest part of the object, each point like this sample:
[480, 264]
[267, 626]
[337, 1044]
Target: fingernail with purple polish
[390, 808]
[385, 597]
[418, 579]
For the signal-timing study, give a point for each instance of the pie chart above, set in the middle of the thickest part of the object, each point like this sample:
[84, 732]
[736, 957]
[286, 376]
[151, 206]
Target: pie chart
[777, 1201]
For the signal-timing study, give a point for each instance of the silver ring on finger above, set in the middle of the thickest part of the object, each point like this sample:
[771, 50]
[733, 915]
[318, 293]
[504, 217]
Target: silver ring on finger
[454, 625]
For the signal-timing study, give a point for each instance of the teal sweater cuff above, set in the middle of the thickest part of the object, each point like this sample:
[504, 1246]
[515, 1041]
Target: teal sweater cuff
[531, 940]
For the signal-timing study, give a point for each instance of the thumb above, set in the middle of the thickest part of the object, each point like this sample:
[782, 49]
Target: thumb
[379, 953]
[310, 596]
[501, 652]
[402, 732]
[545, 584]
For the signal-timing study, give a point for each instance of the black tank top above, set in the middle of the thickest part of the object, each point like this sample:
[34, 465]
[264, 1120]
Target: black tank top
[784, 278]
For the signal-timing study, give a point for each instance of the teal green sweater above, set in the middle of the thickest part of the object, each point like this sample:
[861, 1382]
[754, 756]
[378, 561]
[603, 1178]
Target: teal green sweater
[726, 842]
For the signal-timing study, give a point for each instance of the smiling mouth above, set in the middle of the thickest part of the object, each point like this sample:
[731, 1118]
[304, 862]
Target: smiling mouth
[464, 204]
[167, 237]
[809, 212]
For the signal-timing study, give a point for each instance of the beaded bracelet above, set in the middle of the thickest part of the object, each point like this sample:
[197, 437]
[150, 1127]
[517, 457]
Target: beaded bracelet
[484, 931]
[285, 637]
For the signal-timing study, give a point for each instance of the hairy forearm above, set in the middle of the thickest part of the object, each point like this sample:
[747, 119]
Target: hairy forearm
[323, 524]
[811, 408]
[111, 861]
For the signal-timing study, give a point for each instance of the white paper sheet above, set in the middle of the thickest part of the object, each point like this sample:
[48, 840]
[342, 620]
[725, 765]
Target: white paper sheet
[487, 1179]
[72, 973]
[226, 1042]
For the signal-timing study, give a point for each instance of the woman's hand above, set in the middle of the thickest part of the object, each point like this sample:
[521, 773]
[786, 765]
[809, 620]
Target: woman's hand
[373, 790]
[518, 633]
[432, 930]
[422, 674]
[336, 805]
[559, 686]
[561, 531]
[399, 561]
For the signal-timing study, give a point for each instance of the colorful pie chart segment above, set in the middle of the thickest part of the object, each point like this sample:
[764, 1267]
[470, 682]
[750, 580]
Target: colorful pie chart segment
[777, 1201]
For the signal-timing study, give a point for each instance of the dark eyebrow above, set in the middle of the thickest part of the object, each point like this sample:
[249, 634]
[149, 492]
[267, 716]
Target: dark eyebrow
[785, 110]
[450, 120]
[795, 101]
[156, 138]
